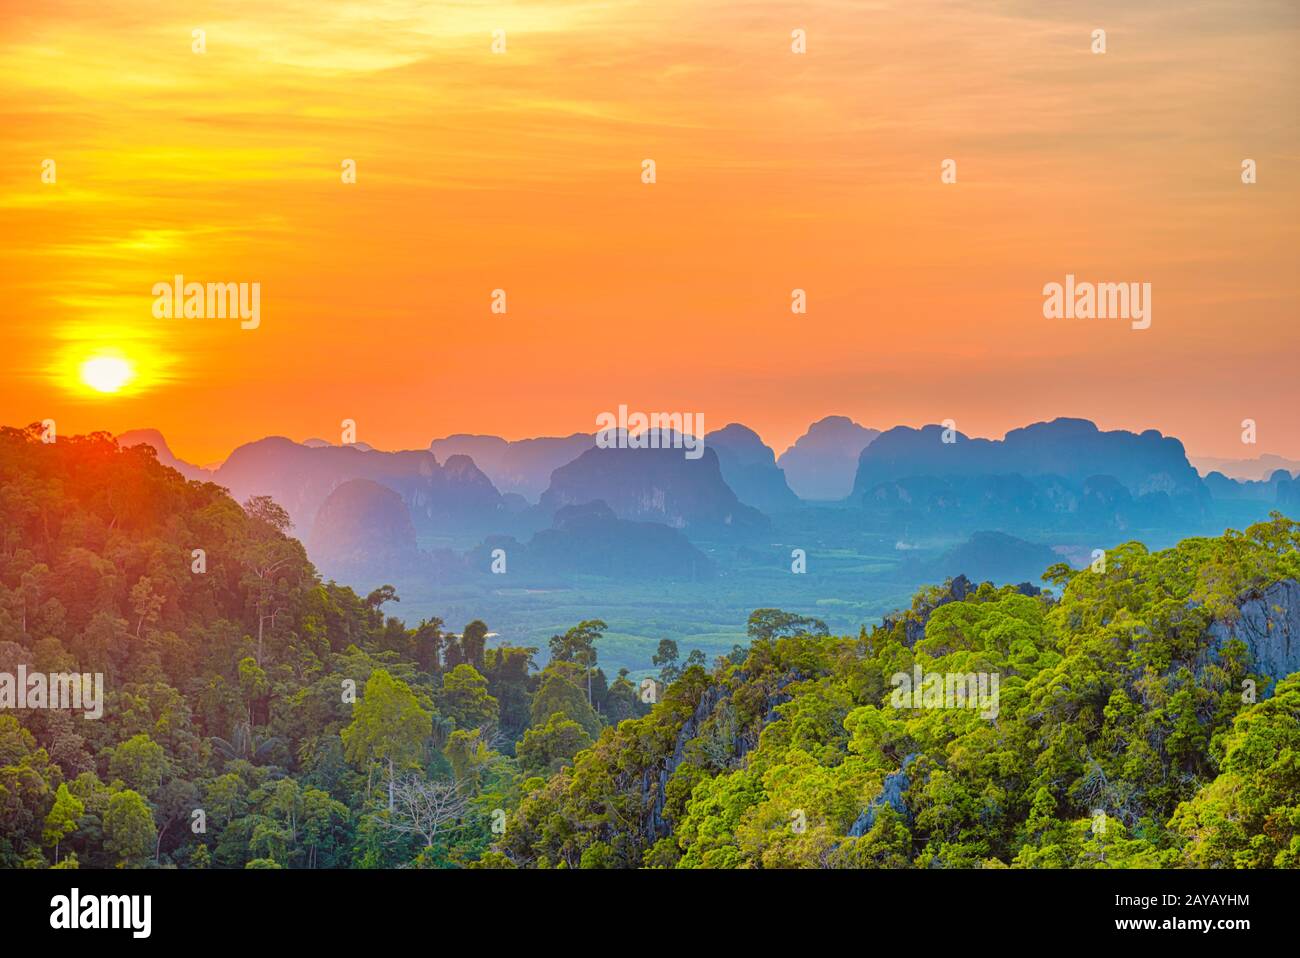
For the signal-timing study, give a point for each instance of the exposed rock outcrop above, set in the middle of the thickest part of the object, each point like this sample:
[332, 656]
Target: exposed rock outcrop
[915, 618]
[891, 794]
[1269, 624]
[654, 782]
[655, 826]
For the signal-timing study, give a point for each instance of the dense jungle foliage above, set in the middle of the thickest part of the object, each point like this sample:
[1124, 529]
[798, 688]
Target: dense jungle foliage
[255, 716]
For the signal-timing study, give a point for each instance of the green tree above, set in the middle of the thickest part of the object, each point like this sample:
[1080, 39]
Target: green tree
[63, 818]
[578, 645]
[507, 671]
[468, 755]
[128, 829]
[273, 566]
[621, 700]
[665, 658]
[382, 596]
[473, 642]
[557, 694]
[323, 828]
[1249, 816]
[140, 763]
[429, 640]
[545, 750]
[768, 624]
[465, 699]
[388, 726]
[145, 603]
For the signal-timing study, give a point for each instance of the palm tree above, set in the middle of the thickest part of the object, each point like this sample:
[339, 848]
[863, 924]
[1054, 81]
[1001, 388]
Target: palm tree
[246, 744]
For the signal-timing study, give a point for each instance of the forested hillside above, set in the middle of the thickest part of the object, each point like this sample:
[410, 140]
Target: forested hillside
[1133, 731]
[229, 734]
[255, 716]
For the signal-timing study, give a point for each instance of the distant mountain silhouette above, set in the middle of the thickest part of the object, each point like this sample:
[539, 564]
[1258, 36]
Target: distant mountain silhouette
[655, 485]
[362, 530]
[523, 466]
[963, 505]
[589, 539]
[1049, 477]
[823, 461]
[993, 557]
[1261, 468]
[454, 496]
[1288, 496]
[1073, 449]
[1269, 489]
[152, 437]
[749, 468]
[1061, 474]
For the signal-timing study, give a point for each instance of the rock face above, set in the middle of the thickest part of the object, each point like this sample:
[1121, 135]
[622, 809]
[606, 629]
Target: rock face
[891, 794]
[915, 618]
[956, 589]
[823, 461]
[1269, 624]
[655, 485]
[749, 468]
[654, 781]
[523, 466]
[362, 529]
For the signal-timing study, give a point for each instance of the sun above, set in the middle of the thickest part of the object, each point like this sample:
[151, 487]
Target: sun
[107, 374]
[102, 364]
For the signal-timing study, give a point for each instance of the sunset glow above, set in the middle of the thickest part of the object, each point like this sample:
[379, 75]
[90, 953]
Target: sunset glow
[728, 435]
[521, 171]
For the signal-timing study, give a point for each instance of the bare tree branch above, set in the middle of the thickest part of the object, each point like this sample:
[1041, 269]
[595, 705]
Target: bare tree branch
[427, 808]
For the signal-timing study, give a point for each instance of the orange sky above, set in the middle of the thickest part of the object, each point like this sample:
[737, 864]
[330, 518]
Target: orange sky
[521, 171]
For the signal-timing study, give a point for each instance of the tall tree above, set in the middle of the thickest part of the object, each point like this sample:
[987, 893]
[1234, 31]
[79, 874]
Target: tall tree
[578, 645]
[128, 829]
[464, 697]
[63, 819]
[273, 564]
[388, 726]
[666, 658]
[473, 641]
